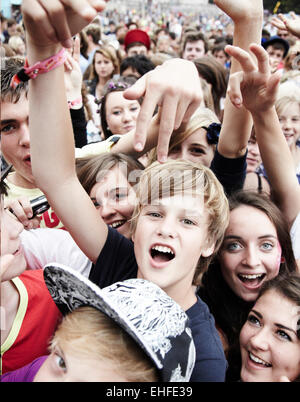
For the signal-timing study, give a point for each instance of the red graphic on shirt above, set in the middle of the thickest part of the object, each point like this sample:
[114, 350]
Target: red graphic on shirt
[51, 220]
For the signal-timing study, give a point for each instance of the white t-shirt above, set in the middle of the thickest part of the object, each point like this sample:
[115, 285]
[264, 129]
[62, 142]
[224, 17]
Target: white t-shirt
[295, 236]
[44, 246]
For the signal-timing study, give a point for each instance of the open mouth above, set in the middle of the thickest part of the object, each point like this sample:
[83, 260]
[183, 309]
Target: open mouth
[253, 279]
[118, 224]
[27, 160]
[162, 253]
[258, 361]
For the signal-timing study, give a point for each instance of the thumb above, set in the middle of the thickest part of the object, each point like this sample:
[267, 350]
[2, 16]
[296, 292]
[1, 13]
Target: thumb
[234, 88]
[273, 84]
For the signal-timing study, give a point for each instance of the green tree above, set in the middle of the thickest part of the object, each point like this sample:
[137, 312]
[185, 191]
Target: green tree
[285, 6]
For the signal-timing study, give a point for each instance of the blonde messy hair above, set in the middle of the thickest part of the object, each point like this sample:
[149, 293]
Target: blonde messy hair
[91, 334]
[179, 177]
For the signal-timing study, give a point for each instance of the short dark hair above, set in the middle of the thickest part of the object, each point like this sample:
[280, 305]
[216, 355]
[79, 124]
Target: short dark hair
[9, 67]
[140, 63]
[194, 36]
[277, 46]
[133, 44]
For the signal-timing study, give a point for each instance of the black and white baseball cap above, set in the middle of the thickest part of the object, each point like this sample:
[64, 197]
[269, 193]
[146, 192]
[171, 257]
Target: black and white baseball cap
[154, 320]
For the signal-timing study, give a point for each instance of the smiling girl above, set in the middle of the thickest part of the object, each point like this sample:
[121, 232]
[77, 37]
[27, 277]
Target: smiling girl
[270, 338]
[109, 179]
[256, 248]
[118, 115]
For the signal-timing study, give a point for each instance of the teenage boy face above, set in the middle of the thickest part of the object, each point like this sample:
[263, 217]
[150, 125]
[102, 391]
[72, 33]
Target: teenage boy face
[275, 56]
[170, 237]
[64, 365]
[194, 50]
[15, 141]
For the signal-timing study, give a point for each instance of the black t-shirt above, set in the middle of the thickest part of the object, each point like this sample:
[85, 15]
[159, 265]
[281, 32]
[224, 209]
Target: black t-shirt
[117, 262]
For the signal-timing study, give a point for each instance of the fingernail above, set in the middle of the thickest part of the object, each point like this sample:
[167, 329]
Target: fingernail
[139, 146]
[29, 215]
[163, 158]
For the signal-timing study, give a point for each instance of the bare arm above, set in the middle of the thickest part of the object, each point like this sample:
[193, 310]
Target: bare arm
[278, 162]
[237, 123]
[52, 142]
[257, 88]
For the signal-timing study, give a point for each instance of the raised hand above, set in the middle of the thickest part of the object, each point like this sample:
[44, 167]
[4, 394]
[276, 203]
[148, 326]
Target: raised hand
[238, 10]
[175, 86]
[291, 25]
[254, 87]
[51, 22]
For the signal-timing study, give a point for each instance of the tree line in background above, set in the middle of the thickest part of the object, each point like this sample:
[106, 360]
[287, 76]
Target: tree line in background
[284, 7]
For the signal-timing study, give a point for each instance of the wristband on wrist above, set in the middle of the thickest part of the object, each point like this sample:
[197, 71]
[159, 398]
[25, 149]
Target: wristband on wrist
[75, 102]
[41, 67]
[113, 140]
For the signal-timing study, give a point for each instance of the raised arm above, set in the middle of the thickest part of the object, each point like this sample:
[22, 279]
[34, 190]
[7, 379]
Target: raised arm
[52, 141]
[237, 123]
[257, 89]
[291, 25]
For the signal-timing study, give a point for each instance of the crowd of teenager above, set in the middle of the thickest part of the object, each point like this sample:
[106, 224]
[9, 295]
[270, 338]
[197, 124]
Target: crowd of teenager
[165, 152]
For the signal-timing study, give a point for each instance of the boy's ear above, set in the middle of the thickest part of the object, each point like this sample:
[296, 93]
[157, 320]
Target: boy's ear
[208, 251]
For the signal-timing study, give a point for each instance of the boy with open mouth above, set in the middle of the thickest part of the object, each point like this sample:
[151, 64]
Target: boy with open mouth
[182, 212]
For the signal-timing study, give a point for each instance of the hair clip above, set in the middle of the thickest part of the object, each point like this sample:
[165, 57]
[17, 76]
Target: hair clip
[213, 133]
[117, 85]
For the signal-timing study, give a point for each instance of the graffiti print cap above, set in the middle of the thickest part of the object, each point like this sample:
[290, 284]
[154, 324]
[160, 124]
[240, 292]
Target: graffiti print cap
[154, 320]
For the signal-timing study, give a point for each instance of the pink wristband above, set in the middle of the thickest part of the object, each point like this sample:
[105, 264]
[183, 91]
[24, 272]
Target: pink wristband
[75, 102]
[41, 67]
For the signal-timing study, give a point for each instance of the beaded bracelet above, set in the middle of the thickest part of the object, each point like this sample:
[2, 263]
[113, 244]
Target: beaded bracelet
[41, 67]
